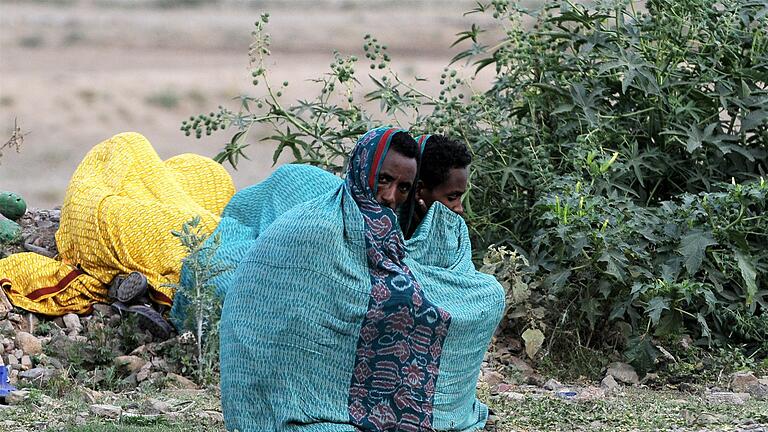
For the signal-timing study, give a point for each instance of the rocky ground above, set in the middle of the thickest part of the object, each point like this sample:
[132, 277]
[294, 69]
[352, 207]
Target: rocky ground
[101, 373]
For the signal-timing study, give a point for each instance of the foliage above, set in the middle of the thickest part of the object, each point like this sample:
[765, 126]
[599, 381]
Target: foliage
[202, 305]
[619, 151]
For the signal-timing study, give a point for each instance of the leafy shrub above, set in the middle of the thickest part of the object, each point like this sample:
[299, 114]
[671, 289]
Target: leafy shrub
[619, 151]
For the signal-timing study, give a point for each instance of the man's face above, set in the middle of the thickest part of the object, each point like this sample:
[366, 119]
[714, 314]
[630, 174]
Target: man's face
[448, 193]
[395, 179]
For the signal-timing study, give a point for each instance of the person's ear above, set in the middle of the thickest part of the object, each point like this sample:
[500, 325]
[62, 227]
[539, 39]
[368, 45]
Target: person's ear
[419, 188]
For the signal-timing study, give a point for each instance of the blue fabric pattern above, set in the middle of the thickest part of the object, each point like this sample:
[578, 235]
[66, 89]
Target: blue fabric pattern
[247, 215]
[398, 352]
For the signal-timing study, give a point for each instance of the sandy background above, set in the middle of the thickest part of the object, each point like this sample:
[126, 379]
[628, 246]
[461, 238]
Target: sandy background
[75, 72]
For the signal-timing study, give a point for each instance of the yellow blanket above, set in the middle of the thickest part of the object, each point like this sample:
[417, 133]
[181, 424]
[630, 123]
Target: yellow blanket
[118, 213]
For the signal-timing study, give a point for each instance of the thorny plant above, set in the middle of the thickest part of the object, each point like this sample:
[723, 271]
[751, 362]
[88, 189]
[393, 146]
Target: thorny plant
[197, 294]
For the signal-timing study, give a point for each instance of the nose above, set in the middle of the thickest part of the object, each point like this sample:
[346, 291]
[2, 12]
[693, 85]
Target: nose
[387, 196]
[458, 209]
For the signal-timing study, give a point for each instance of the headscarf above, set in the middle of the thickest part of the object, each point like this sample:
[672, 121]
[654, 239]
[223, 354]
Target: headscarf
[401, 338]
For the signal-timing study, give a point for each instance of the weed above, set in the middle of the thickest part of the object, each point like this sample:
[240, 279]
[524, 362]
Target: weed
[31, 41]
[167, 99]
[198, 299]
[87, 95]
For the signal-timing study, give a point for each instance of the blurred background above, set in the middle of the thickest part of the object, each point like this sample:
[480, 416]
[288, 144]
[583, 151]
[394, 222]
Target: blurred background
[75, 72]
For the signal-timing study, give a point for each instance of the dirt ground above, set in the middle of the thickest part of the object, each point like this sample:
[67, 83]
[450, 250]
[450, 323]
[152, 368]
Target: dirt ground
[75, 72]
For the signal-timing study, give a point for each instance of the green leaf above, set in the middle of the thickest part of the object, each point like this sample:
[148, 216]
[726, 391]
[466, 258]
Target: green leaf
[615, 263]
[749, 274]
[705, 332]
[693, 247]
[641, 353]
[655, 306]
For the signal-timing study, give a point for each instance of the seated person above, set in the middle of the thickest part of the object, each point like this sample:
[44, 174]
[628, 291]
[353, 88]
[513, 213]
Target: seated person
[119, 210]
[442, 177]
[334, 323]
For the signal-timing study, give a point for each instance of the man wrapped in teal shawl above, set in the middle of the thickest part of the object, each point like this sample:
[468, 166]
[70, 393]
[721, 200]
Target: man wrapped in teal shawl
[334, 323]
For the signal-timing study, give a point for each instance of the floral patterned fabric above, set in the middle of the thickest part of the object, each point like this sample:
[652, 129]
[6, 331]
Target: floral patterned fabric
[398, 352]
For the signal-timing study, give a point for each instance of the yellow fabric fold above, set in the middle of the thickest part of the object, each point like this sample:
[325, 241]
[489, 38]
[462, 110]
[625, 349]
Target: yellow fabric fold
[119, 210]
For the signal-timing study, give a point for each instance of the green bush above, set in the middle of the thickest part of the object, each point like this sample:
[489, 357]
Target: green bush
[620, 151]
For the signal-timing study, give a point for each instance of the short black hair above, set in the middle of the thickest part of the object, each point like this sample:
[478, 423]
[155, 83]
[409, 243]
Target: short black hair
[442, 154]
[403, 143]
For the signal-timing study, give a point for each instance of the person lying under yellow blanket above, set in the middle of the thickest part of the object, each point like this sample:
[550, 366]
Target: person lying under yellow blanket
[118, 213]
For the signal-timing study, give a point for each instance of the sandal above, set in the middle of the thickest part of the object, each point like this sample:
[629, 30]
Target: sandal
[128, 288]
[148, 319]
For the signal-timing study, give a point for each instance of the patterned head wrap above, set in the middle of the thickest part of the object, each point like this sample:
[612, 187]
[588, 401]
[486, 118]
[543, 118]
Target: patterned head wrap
[401, 338]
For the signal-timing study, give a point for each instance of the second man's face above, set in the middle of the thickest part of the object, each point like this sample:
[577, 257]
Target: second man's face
[449, 192]
[395, 179]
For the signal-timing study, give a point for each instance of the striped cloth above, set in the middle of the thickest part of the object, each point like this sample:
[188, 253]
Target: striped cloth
[294, 318]
[118, 213]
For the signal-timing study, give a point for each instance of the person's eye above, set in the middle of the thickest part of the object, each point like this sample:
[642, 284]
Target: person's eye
[383, 179]
[405, 188]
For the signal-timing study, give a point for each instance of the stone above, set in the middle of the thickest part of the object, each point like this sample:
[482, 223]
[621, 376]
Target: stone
[144, 372]
[514, 396]
[728, 398]
[5, 305]
[501, 388]
[26, 362]
[157, 406]
[747, 382]
[132, 364]
[130, 381]
[16, 397]
[552, 385]
[160, 364]
[214, 416]
[609, 384]
[38, 375]
[686, 342]
[53, 362]
[179, 381]
[139, 351]
[524, 368]
[107, 411]
[72, 322]
[13, 377]
[623, 372]
[493, 378]
[91, 396]
[6, 328]
[14, 317]
[589, 394]
[104, 310]
[29, 344]
[12, 360]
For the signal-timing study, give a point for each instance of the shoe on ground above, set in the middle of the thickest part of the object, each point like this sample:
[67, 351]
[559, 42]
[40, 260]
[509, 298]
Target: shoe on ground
[127, 288]
[147, 319]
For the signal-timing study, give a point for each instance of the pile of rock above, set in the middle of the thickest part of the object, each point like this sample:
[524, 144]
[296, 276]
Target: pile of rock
[37, 351]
